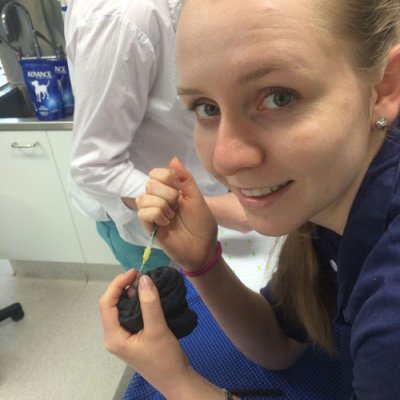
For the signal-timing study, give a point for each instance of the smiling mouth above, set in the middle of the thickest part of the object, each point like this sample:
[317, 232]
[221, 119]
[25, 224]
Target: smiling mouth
[264, 191]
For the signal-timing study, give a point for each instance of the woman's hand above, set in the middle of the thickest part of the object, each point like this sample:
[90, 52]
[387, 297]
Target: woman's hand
[154, 352]
[187, 230]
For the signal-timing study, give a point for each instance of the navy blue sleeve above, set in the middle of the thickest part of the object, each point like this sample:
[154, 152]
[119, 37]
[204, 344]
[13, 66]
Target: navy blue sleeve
[294, 331]
[374, 313]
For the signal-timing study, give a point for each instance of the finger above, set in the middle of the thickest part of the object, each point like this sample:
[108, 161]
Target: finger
[108, 302]
[169, 194]
[150, 216]
[115, 288]
[164, 175]
[154, 201]
[187, 184]
[153, 317]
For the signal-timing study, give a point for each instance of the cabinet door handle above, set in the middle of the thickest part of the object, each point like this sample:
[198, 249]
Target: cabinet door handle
[16, 145]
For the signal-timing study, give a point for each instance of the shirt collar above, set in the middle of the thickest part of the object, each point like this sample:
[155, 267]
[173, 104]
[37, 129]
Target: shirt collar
[175, 7]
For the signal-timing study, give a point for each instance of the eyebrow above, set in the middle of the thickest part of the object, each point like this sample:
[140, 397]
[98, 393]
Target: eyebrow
[188, 92]
[251, 76]
[265, 70]
[257, 74]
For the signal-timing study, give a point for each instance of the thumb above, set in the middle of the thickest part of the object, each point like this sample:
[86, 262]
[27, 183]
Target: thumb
[152, 313]
[187, 184]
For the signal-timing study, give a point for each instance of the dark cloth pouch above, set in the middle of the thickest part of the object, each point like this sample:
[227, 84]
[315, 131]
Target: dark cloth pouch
[172, 290]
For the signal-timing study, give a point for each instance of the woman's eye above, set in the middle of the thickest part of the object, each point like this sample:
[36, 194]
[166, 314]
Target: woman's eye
[278, 99]
[204, 110]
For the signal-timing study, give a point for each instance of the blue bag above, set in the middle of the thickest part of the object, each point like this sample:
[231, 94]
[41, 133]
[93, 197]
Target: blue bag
[64, 85]
[42, 84]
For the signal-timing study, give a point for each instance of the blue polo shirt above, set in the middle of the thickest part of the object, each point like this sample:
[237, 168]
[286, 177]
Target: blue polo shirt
[367, 257]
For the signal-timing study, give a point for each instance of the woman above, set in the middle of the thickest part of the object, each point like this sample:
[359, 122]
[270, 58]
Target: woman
[296, 105]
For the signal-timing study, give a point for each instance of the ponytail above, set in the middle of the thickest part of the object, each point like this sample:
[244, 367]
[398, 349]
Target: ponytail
[301, 289]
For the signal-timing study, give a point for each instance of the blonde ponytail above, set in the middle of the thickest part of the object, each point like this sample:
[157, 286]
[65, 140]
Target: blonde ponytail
[301, 289]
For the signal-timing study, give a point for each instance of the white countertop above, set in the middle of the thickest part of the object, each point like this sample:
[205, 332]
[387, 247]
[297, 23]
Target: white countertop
[32, 124]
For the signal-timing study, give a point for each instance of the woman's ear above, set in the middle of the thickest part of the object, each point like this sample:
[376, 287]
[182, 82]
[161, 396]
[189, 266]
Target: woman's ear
[387, 102]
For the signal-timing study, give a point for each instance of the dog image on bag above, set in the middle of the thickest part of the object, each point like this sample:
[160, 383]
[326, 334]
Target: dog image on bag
[40, 90]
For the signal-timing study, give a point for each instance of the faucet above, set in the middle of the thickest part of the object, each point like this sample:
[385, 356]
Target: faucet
[17, 50]
[15, 4]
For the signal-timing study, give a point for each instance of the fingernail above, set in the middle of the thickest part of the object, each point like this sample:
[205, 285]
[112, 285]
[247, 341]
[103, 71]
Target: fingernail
[170, 213]
[131, 292]
[145, 282]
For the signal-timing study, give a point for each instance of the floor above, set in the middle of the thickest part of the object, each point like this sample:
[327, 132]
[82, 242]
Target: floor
[56, 350]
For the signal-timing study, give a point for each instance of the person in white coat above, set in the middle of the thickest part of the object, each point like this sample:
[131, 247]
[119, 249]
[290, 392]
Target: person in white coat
[128, 118]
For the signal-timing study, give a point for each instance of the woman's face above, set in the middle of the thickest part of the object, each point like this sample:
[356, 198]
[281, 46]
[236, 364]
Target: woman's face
[281, 117]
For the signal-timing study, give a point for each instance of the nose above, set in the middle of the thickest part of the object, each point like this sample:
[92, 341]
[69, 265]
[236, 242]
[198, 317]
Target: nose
[237, 146]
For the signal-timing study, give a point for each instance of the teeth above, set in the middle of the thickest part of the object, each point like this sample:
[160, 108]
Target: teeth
[262, 192]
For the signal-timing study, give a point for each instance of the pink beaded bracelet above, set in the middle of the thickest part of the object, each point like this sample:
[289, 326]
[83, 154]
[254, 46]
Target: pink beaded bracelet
[207, 267]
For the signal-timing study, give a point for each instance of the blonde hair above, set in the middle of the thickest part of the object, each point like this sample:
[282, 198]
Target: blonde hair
[371, 27]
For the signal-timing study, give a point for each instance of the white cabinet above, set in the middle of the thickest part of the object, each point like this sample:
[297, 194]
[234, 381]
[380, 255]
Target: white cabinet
[35, 219]
[95, 250]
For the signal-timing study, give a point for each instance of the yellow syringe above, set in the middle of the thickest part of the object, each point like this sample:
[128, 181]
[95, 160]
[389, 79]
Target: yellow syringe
[149, 247]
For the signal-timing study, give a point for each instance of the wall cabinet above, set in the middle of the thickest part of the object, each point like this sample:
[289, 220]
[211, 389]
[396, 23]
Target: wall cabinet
[37, 220]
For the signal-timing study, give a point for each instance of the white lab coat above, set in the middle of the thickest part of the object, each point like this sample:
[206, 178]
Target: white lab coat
[128, 118]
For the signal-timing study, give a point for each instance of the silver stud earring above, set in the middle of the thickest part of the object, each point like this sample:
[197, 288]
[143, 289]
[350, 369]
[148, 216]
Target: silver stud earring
[382, 123]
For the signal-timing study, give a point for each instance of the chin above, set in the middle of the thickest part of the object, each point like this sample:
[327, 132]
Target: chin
[270, 228]
[271, 232]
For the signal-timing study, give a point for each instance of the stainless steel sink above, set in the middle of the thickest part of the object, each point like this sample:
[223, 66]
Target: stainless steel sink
[16, 103]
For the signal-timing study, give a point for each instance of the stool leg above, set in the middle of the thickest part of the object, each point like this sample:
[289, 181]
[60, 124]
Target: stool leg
[14, 311]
